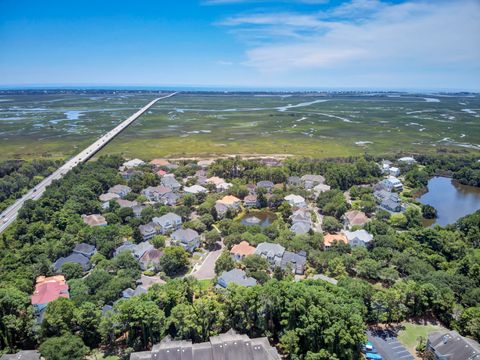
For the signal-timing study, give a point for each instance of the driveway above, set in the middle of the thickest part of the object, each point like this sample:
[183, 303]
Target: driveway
[388, 346]
[207, 269]
[317, 226]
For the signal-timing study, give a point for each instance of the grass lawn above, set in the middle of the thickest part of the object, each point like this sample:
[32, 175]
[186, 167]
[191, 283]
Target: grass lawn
[409, 335]
[204, 284]
[209, 125]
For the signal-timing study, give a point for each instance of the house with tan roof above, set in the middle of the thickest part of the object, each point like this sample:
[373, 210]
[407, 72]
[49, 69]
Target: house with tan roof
[239, 251]
[355, 217]
[215, 180]
[230, 201]
[94, 220]
[159, 162]
[220, 184]
[330, 239]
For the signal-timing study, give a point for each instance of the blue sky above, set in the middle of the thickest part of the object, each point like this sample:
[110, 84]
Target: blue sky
[242, 43]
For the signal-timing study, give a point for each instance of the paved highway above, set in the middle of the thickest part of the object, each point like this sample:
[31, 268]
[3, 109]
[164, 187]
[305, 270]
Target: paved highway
[10, 214]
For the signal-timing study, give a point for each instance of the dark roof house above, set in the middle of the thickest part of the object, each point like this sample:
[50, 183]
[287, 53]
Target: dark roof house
[189, 239]
[235, 276]
[227, 346]
[266, 184]
[72, 258]
[85, 249]
[296, 261]
[451, 345]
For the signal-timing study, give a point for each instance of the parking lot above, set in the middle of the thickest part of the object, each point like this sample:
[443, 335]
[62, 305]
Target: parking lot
[388, 346]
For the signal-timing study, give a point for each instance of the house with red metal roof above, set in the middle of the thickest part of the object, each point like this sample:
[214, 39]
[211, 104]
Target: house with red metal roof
[48, 289]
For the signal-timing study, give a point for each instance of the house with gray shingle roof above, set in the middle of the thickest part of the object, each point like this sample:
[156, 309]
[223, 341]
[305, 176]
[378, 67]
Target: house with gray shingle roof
[189, 239]
[106, 198]
[450, 345]
[85, 249]
[294, 181]
[266, 184]
[295, 200]
[170, 199]
[148, 231]
[295, 261]
[309, 181]
[270, 251]
[137, 250]
[120, 190]
[392, 204]
[227, 346]
[235, 276]
[156, 193]
[168, 222]
[72, 258]
[132, 163]
[195, 189]
[169, 180]
[301, 221]
[358, 238]
[300, 227]
[221, 209]
[137, 210]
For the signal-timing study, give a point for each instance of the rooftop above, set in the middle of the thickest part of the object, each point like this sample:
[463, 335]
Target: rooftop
[328, 239]
[48, 289]
[227, 346]
[94, 220]
[236, 276]
[244, 249]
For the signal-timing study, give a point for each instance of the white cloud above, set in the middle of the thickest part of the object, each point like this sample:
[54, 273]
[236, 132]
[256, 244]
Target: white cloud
[365, 34]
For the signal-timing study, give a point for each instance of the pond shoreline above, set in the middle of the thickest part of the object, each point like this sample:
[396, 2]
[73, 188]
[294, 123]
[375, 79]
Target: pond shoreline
[450, 198]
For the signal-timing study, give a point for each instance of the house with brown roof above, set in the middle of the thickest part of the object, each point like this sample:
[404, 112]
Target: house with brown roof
[159, 162]
[250, 201]
[330, 239]
[126, 203]
[239, 251]
[150, 258]
[355, 217]
[94, 220]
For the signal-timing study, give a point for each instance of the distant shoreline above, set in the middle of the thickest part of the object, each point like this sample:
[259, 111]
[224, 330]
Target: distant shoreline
[227, 91]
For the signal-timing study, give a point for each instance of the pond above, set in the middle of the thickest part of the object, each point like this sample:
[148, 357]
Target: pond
[451, 199]
[258, 217]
